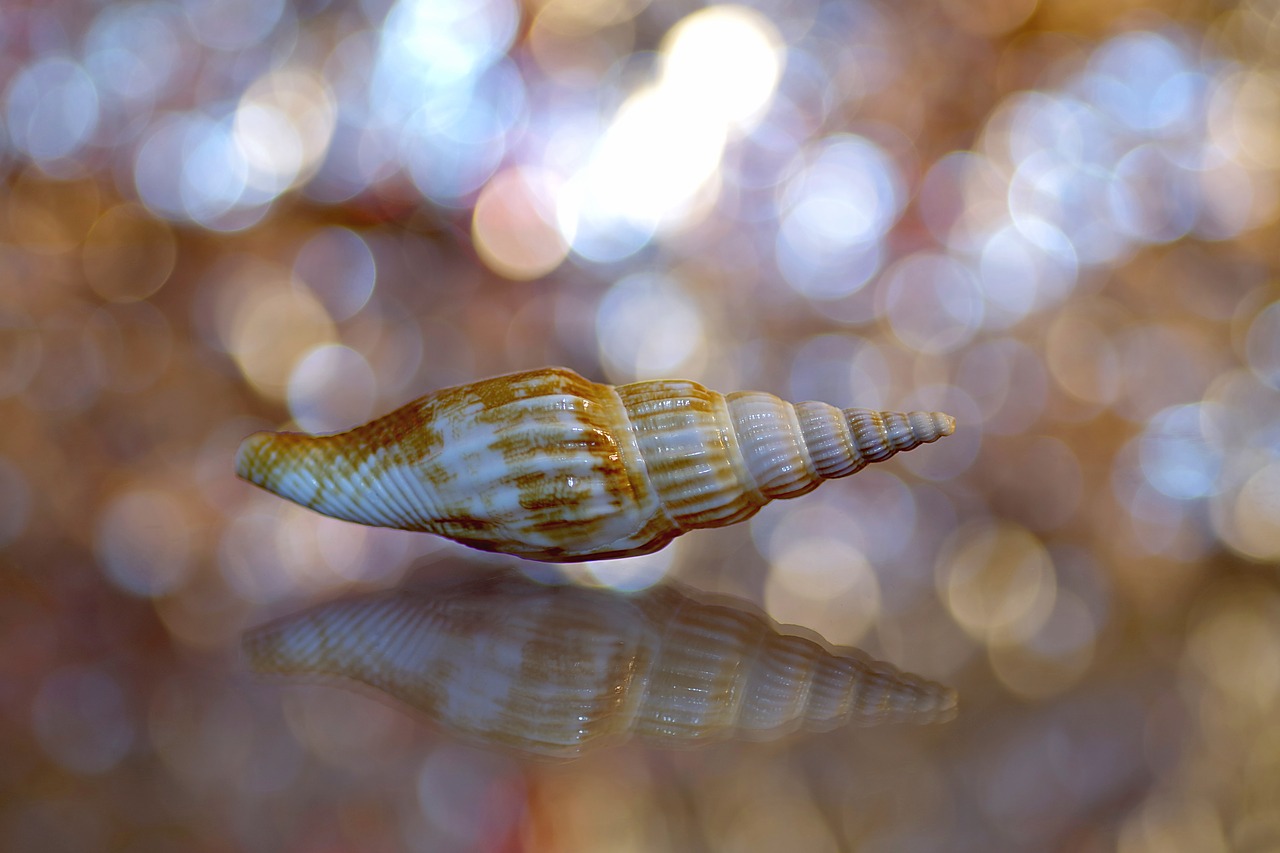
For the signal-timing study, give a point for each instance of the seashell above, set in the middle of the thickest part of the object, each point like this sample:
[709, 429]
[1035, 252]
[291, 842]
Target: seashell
[549, 466]
[555, 671]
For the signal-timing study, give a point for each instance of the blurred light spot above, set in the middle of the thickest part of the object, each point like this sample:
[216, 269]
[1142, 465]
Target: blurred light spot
[1129, 78]
[1052, 659]
[964, 200]
[476, 798]
[942, 198]
[1233, 201]
[1152, 199]
[128, 254]
[1235, 646]
[331, 388]
[338, 267]
[433, 45]
[628, 574]
[81, 721]
[189, 167]
[248, 557]
[1050, 125]
[282, 127]
[655, 165]
[319, 717]
[455, 142]
[1023, 269]
[1174, 821]
[142, 540]
[1037, 482]
[72, 371]
[272, 330]
[232, 25]
[844, 197]
[953, 455]
[55, 821]
[1180, 451]
[1161, 365]
[206, 735]
[21, 351]
[136, 343]
[758, 163]
[133, 52]
[648, 327]
[734, 819]
[575, 43]
[997, 580]
[1073, 197]
[842, 370]
[1262, 345]
[1082, 358]
[52, 109]
[366, 554]
[932, 301]
[48, 218]
[827, 586]
[204, 613]
[1257, 515]
[1006, 378]
[1156, 523]
[875, 516]
[442, 86]
[514, 227]
[724, 60]
[15, 502]
[397, 355]
[989, 17]
[1247, 106]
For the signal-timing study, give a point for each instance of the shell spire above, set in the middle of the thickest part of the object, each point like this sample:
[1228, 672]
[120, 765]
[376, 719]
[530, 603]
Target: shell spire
[554, 671]
[549, 466]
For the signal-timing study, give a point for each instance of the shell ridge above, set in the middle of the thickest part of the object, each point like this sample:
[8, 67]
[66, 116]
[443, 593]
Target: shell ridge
[396, 491]
[636, 409]
[828, 440]
[645, 716]
[805, 684]
[811, 478]
[742, 682]
[556, 671]
[788, 664]
[634, 459]
[771, 445]
[713, 493]
[390, 641]
[548, 466]
[737, 457]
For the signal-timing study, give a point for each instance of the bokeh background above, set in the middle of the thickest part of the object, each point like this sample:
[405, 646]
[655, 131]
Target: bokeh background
[1054, 219]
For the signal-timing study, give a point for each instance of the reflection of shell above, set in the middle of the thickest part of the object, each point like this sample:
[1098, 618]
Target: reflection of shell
[556, 670]
[550, 466]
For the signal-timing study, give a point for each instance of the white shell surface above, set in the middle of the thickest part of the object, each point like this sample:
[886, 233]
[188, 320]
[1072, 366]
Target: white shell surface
[549, 466]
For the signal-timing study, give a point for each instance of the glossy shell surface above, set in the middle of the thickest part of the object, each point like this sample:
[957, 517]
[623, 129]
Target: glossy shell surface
[549, 466]
[554, 671]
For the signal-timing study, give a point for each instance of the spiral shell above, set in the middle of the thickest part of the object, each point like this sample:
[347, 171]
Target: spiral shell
[549, 466]
[554, 671]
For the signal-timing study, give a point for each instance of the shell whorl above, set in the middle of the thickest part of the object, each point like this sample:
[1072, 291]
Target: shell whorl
[554, 671]
[550, 466]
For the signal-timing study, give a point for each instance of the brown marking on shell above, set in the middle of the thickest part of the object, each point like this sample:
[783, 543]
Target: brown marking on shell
[554, 671]
[549, 466]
